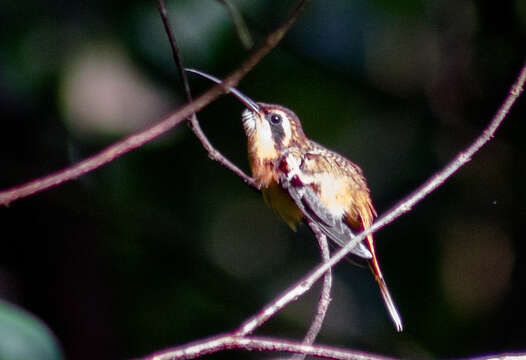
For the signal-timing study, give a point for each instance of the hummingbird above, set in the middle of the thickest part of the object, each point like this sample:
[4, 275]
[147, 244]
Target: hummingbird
[302, 180]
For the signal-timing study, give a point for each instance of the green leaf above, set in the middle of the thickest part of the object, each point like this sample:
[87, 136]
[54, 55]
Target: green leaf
[24, 336]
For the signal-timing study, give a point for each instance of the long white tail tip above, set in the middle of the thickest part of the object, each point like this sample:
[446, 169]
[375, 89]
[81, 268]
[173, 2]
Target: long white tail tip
[391, 307]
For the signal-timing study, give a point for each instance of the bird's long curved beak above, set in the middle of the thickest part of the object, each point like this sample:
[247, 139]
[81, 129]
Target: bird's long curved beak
[242, 97]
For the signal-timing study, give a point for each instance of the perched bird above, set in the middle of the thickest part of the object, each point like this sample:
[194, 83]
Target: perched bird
[300, 179]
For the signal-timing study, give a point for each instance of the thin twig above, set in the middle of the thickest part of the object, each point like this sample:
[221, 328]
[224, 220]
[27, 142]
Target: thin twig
[140, 138]
[196, 128]
[304, 284]
[325, 297]
[322, 239]
[229, 342]
[239, 23]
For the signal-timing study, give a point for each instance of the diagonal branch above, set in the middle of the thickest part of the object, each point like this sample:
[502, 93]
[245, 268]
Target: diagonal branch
[304, 284]
[238, 339]
[140, 138]
[109, 153]
[425, 189]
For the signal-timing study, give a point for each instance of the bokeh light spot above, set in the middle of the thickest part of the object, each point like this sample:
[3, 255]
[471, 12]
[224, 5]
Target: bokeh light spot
[103, 93]
[246, 239]
[477, 260]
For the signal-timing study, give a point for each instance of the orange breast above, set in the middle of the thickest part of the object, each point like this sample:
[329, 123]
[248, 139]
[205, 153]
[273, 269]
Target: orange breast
[279, 200]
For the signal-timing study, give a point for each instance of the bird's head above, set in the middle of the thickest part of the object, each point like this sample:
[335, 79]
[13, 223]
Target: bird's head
[270, 129]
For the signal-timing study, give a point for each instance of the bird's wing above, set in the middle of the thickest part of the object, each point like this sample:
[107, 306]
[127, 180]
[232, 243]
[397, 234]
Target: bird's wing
[314, 210]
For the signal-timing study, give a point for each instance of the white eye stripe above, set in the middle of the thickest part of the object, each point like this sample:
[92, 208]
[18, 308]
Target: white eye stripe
[265, 133]
[262, 136]
[285, 124]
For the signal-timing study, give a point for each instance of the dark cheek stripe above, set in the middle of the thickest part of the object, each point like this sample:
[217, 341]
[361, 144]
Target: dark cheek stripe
[277, 134]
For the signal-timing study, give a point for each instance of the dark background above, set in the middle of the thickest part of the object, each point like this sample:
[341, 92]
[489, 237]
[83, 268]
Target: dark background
[164, 246]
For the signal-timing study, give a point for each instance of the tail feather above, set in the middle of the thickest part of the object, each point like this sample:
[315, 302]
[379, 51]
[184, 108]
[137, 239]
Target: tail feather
[390, 305]
[386, 295]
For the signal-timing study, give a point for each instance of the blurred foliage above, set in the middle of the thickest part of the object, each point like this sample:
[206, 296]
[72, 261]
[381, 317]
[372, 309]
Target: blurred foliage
[164, 246]
[22, 336]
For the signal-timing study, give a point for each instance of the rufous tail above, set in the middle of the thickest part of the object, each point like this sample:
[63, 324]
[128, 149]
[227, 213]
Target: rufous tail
[388, 300]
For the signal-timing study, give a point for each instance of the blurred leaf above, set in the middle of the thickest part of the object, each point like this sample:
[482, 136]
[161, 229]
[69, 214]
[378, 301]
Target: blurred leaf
[23, 336]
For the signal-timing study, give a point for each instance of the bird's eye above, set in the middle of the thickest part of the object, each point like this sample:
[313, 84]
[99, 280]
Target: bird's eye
[275, 119]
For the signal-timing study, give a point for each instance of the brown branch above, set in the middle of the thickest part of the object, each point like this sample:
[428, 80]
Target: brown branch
[138, 139]
[230, 342]
[109, 153]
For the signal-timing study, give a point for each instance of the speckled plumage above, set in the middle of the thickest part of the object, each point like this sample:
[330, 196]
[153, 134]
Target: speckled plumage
[337, 181]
